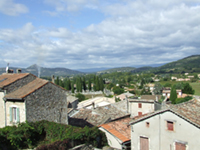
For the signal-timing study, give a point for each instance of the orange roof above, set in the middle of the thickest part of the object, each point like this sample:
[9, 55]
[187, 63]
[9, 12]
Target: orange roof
[6, 79]
[27, 89]
[119, 129]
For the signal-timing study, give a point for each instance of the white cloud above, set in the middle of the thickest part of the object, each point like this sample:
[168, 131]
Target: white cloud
[141, 33]
[10, 8]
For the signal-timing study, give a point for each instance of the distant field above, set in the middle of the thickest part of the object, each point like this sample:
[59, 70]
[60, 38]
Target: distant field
[195, 85]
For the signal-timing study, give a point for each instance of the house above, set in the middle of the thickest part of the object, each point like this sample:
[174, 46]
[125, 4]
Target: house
[96, 102]
[118, 133]
[24, 97]
[151, 87]
[175, 128]
[72, 102]
[124, 95]
[96, 116]
[166, 93]
[144, 105]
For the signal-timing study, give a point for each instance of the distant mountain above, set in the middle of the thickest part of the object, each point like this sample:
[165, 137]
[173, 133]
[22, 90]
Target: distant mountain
[91, 70]
[120, 69]
[42, 72]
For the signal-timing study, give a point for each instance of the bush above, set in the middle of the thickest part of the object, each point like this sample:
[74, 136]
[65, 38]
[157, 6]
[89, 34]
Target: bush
[181, 100]
[80, 97]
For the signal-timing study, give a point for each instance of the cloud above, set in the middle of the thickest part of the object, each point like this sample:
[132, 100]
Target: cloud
[10, 8]
[69, 5]
[141, 33]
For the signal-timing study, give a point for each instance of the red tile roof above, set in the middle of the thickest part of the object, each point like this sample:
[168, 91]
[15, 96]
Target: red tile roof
[119, 128]
[6, 79]
[26, 89]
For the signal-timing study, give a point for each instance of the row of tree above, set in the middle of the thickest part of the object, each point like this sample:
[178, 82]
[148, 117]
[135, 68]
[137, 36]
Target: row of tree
[95, 83]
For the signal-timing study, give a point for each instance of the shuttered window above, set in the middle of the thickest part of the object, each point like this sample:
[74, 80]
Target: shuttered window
[139, 105]
[144, 143]
[14, 115]
[180, 146]
[139, 113]
[170, 126]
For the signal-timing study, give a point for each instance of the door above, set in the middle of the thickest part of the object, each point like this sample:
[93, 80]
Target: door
[144, 143]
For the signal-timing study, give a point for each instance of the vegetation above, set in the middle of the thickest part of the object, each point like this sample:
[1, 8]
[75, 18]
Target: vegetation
[181, 100]
[80, 97]
[48, 134]
[173, 95]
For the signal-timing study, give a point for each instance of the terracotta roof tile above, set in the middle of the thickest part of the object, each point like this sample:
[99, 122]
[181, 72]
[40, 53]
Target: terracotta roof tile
[6, 79]
[119, 128]
[26, 89]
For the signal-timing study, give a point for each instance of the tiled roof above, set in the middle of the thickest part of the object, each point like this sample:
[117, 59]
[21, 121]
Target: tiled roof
[26, 89]
[189, 111]
[6, 79]
[71, 99]
[99, 115]
[119, 129]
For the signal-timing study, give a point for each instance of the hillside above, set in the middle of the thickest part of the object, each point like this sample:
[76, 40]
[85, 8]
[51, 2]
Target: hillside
[120, 69]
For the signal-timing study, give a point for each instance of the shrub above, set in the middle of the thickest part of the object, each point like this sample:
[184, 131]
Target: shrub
[181, 100]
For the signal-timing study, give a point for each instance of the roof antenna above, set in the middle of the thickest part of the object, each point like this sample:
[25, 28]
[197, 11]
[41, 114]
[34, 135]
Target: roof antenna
[7, 68]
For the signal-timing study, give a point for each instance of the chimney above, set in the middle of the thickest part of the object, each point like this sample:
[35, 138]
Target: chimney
[18, 71]
[52, 79]
[7, 68]
[127, 104]
[93, 105]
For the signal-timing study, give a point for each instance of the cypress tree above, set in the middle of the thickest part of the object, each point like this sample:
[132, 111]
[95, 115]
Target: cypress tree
[97, 84]
[173, 95]
[101, 84]
[72, 85]
[89, 85]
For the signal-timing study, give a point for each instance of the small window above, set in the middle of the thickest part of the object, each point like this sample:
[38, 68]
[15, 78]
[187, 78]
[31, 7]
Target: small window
[14, 114]
[170, 125]
[139, 105]
[180, 146]
[147, 124]
[139, 113]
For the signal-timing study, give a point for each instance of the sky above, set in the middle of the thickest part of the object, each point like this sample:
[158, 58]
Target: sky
[83, 34]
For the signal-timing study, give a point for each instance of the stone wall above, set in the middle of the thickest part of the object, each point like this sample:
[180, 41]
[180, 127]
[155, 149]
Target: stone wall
[19, 83]
[47, 103]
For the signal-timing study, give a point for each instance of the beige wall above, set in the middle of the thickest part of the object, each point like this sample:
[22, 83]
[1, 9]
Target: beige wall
[21, 106]
[112, 140]
[2, 114]
[162, 139]
[146, 108]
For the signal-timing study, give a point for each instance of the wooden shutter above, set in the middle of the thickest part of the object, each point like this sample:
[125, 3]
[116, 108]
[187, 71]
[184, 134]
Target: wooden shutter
[180, 146]
[144, 143]
[139, 113]
[18, 116]
[11, 114]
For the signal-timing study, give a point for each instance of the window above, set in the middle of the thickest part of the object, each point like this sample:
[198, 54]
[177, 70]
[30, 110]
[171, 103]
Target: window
[170, 125]
[147, 124]
[139, 105]
[139, 113]
[14, 114]
[180, 146]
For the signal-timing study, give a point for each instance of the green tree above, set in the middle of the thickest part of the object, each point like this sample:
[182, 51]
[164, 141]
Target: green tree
[101, 83]
[187, 89]
[97, 83]
[80, 97]
[84, 84]
[72, 85]
[158, 89]
[173, 95]
[89, 85]
[117, 90]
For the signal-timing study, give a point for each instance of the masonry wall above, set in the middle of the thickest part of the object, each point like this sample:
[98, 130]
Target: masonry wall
[147, 107]
[160, 138]
[2, 114]
[47, 103]
[19, 83]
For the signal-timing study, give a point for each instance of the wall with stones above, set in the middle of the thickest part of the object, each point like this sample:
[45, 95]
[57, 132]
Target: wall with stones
[47, 103]
[19, 83]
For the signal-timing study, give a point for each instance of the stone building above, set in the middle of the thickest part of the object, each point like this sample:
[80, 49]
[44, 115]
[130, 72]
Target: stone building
[24, 97]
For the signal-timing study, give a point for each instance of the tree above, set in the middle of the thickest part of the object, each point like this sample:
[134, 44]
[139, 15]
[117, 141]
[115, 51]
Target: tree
[101, 83]
[80, 97]
[89, 85]
[187, 89]
[97, 83]
[173, 95]
[72, 85]
[117, 90]
[84, 84]
[158, 89]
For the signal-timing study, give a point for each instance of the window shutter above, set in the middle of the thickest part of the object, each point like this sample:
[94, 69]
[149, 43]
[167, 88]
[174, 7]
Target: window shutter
[11, 115]
[18, 115]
